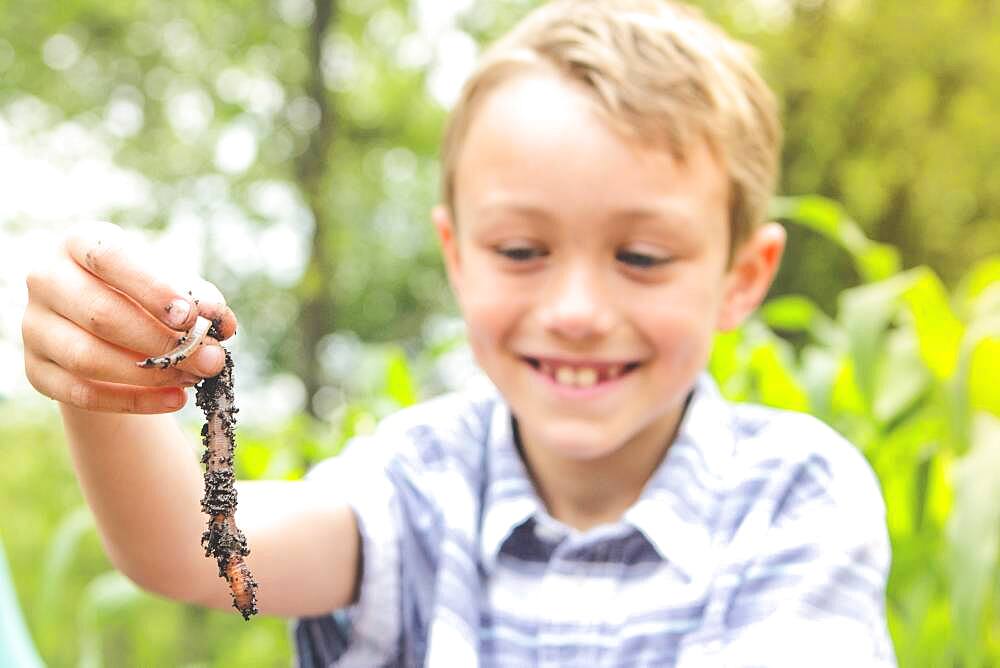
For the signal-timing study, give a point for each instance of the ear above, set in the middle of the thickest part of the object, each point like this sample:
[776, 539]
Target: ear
[749, 278]
[447, 234]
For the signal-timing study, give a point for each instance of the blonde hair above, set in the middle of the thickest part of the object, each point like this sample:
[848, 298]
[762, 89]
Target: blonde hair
[660, 73]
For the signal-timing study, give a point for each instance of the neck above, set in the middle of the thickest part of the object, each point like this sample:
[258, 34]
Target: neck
[583, 493]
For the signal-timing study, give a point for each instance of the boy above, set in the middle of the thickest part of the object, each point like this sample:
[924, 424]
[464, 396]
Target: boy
[606, 176]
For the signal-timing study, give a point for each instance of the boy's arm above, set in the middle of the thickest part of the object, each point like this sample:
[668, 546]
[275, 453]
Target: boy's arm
[140, 477]
[95, 308]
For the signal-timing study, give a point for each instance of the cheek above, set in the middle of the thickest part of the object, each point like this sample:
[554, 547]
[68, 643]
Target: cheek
[682, 325]
[490, 323]
[486, 307]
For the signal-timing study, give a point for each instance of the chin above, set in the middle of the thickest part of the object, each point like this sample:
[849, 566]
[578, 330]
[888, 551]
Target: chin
[577, 443]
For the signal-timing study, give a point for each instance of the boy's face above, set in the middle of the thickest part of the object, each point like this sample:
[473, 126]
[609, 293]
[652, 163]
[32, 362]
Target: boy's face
[591, 272]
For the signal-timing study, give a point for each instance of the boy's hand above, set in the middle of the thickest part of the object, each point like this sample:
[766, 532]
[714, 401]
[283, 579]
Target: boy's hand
[96, 308]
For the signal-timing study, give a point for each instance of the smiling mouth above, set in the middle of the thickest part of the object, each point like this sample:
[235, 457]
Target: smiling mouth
[581, 374]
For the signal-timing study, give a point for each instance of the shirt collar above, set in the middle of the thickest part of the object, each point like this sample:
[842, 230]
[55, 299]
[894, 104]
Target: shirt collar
[510, 497]
[676, 510]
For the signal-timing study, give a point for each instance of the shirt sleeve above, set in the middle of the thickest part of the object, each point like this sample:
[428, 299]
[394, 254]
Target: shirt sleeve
[367, 633]
[813, 591]
[813, 602]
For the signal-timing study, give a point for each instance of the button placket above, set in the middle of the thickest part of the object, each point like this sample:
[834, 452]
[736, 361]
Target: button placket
[548, 652]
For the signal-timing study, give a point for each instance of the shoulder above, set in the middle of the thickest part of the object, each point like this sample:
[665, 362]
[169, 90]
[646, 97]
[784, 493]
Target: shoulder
[800, 464]
[442, 430]
[804, 541]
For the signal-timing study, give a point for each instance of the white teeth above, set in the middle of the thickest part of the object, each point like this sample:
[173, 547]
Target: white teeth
[579, 376]
[565, 376]
[586, 378]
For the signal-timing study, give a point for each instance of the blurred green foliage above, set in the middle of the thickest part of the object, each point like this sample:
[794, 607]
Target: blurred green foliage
[888, 114]
[888, 109]
[907, 372]
[905, 369]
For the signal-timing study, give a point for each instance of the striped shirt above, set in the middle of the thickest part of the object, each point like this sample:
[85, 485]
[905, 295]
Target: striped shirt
[760, 540]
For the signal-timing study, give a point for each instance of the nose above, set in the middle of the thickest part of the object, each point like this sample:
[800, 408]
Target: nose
[576, 305]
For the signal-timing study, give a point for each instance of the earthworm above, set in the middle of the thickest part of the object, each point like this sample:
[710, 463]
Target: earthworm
[185, 346]
[223, 539]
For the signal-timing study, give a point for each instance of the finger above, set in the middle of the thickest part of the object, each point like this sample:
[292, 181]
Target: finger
[80, 297]
[102, 249]
[57, 383]
[205, 361]
[85, 356]
[212, 305]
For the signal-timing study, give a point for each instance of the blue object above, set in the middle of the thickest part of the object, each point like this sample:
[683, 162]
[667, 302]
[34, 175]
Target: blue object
[16, 648]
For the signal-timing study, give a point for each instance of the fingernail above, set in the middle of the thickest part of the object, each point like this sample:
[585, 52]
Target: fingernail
[189, 380]
[178, 312]
[175, 400]
[209, 359]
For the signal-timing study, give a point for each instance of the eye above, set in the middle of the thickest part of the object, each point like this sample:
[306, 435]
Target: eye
[520, 253]
[640, 260]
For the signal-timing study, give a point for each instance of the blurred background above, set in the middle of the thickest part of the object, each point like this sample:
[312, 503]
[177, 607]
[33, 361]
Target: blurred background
[287, 150]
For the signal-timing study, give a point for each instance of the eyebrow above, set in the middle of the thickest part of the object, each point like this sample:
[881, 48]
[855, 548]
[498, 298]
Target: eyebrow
[672, 218]
[526, 210]
[629, 215]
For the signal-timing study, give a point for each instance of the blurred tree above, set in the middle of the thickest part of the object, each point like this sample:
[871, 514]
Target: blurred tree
[317, 294]
[889, 110]
[225, 113]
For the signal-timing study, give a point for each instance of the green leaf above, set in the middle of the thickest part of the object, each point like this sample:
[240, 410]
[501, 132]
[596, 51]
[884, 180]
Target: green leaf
[776, 384]
[108, 593]
[105, 595]
[726, 362]
[790, 312]
[795, 313]
[865, 314]
[899, 455]
[983, 275]
[845, 395]
[874, 261]
[984, 376]
[974, 532]
[61, 553]
[399, 382]
[974, 385]
[940, 493]
[817, 372]
[939, 331]
[902, 378]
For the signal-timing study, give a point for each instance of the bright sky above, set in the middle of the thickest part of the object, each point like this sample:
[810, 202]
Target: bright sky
[55, 173]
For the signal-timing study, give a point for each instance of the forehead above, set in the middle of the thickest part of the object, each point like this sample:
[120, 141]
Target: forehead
[539, 141]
